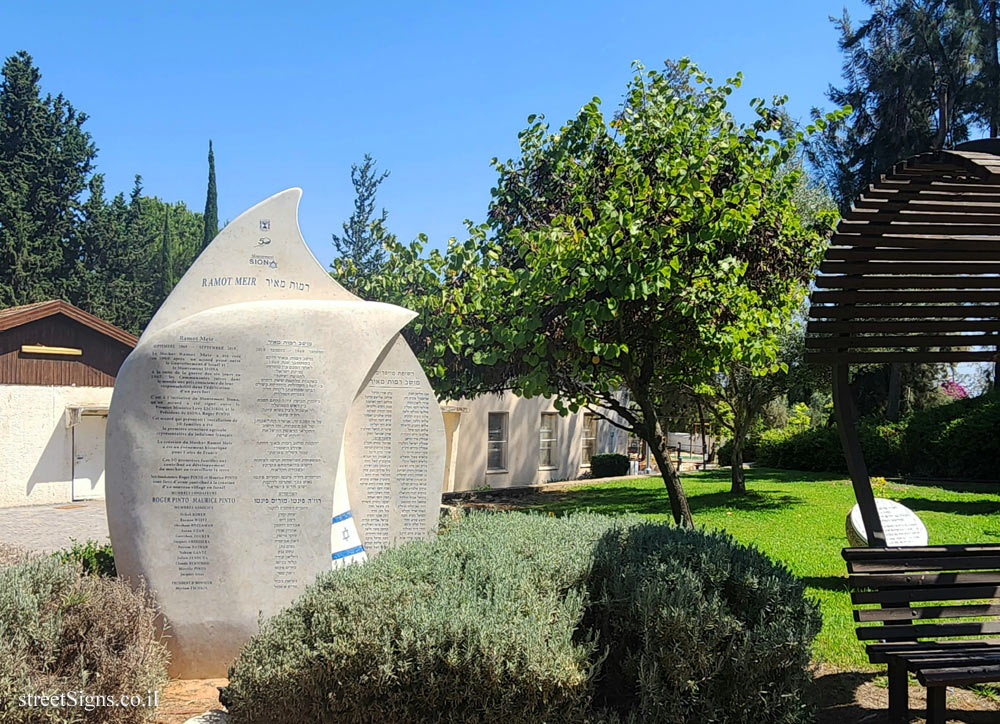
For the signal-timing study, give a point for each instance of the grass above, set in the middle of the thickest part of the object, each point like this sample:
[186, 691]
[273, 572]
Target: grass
[797, 518]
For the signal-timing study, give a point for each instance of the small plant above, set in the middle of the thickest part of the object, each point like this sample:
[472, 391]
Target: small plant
[799, 417]
[95, 559]
[880, 487]
[64, 632]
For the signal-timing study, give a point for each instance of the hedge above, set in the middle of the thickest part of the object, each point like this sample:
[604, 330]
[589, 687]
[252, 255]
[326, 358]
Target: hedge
[819, 449]
[608, 465]
[725, 452]
[960, 440]
[517, 617]
[954, 441]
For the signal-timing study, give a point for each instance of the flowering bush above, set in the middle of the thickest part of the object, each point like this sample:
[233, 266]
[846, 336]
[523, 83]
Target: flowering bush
[954, 390]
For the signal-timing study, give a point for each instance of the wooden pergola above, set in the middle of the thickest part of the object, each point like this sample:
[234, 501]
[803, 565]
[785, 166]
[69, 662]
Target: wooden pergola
[912, 274]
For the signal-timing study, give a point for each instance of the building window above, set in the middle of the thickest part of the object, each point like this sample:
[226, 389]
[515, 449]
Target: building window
[547, 441]
[496, 450]
[589, 437]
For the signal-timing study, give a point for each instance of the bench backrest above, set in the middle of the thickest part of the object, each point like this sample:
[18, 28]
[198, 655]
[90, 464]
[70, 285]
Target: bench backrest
[912, 273]
[926, 592]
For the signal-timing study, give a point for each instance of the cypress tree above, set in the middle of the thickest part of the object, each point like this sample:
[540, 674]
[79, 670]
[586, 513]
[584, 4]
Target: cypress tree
[211, 202]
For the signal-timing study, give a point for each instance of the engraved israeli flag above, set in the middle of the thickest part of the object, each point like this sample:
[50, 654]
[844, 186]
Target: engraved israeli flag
[345, 542]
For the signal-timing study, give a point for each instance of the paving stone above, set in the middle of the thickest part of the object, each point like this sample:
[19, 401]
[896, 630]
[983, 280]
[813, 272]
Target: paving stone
[47, 528]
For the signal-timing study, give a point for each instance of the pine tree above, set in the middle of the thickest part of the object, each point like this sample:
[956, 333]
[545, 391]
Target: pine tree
[918, 74]
[364, 238]
[45, 160]
[211, 202]
[119, 268]
[167, 279]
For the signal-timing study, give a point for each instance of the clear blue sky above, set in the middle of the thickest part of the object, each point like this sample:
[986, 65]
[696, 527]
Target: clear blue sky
[293, 94]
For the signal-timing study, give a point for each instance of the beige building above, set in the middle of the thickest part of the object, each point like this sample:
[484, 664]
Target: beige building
[504, 440]
[57, 372]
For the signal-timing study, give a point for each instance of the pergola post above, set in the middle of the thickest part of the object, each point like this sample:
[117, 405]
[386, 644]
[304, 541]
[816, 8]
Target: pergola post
[846, 414]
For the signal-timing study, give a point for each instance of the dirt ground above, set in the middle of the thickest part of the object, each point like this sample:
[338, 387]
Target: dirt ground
[853, 697]
[845, 697]
[186, 698]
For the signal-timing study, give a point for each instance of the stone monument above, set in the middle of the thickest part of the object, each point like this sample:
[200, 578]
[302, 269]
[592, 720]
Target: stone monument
[901, 525]
[268, 426]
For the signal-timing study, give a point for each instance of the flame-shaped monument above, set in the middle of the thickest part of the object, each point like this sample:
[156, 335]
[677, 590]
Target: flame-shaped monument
[267, 426]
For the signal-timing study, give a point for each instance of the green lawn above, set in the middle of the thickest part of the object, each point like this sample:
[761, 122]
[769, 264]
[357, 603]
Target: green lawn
[797, 518]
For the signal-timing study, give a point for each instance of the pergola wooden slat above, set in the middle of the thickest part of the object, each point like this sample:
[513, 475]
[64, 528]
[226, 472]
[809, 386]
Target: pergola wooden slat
[920, 247]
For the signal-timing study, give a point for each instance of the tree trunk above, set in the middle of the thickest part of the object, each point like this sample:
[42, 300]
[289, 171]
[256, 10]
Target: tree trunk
[994, 71]
[704, 445]
[943, 120]
[647, 428]
[739, 486]
[894, 392]
[672, 482]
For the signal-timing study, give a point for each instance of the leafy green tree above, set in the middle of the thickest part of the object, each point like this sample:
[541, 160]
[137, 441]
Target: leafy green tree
[365, 237]
[988, 81]
[114, 267]
[179, 237]
[45, 160]
[125, 270]
[737, 397]
[211, 202]
[738, 394]
[633, 254]
[185, 232]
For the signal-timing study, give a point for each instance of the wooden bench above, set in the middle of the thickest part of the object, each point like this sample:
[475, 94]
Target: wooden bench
[939, 606]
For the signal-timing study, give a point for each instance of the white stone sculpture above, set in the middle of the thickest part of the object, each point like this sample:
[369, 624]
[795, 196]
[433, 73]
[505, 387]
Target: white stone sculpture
[268, 426]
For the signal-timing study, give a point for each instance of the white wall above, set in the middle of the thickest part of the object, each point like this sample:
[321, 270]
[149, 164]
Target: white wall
[524, 419]
[36, 447]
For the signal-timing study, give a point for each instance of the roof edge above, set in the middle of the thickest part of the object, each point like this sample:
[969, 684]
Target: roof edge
[17, 316]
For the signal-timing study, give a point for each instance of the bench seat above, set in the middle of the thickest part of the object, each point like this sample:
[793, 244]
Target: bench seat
[929, 596]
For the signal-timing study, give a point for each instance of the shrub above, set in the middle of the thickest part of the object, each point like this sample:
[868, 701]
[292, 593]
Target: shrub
[515, 617]
[882, 444]
[94, 558]
[63, 632]
[698, 628]
[608, 465]
[816, 448]
[957, 440]
[725, 452]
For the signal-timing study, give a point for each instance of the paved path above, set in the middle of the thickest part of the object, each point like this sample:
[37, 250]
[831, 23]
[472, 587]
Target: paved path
[51, 527]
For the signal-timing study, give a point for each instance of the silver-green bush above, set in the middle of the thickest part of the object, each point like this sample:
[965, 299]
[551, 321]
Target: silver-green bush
[524, 618]
[64, 633]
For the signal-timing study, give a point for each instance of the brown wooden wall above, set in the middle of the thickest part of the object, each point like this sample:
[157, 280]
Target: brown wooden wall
[96, 367]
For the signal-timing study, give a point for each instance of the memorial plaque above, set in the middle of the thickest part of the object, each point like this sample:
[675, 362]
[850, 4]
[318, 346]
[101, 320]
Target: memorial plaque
[267, 426]
[901, 525]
